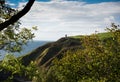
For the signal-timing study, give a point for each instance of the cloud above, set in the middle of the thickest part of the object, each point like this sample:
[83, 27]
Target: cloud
[57, 18]
[11, 4]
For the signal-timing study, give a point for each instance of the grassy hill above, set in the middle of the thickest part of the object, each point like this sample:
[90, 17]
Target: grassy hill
[45, 54]
[102, 36]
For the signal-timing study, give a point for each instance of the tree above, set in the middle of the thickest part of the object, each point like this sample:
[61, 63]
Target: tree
[17, 16]
[12, 38]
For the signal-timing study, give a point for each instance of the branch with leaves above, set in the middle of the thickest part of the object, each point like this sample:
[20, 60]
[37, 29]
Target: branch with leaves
[17, 16]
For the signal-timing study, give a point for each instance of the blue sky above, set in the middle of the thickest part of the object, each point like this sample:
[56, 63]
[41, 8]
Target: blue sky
[56, 18]
[16, 2]
[88, 1]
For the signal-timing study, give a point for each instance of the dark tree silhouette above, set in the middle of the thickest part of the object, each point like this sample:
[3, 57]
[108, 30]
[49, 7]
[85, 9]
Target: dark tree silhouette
[17, 16]
[2, 2]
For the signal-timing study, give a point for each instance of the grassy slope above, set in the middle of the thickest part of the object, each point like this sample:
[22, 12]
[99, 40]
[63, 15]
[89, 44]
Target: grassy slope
[46, 53]
[102, 36]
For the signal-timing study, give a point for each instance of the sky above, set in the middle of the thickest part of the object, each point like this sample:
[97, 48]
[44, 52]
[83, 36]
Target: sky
[56, 18]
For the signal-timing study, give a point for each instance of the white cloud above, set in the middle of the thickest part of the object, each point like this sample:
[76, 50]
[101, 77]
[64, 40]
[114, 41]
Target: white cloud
[11, 4]
[57, 18]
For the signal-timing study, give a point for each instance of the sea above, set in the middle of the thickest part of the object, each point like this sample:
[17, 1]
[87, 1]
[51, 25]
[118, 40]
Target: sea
[26, 48]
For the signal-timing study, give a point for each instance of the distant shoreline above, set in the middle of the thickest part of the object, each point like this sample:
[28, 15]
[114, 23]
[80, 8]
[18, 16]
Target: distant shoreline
[26, 48]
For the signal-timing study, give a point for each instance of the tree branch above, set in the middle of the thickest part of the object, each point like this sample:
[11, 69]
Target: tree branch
[17, 16]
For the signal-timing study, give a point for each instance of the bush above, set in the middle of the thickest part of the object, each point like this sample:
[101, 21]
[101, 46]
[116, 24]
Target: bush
[11, 68]
[98, 61]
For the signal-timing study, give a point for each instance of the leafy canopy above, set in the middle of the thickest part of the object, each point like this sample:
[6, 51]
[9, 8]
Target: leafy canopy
[13, 37]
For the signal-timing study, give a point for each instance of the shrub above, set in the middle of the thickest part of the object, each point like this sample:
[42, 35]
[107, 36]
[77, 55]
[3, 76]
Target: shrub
[97, 62]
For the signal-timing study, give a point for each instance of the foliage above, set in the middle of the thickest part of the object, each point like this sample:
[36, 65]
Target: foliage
[12, 38]
[13, 65]
[97, 61]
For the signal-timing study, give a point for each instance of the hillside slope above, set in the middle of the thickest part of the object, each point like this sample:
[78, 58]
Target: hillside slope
[45, 54]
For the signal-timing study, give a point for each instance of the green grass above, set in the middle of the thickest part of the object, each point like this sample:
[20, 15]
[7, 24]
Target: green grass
[78, 36]
[102, 36]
